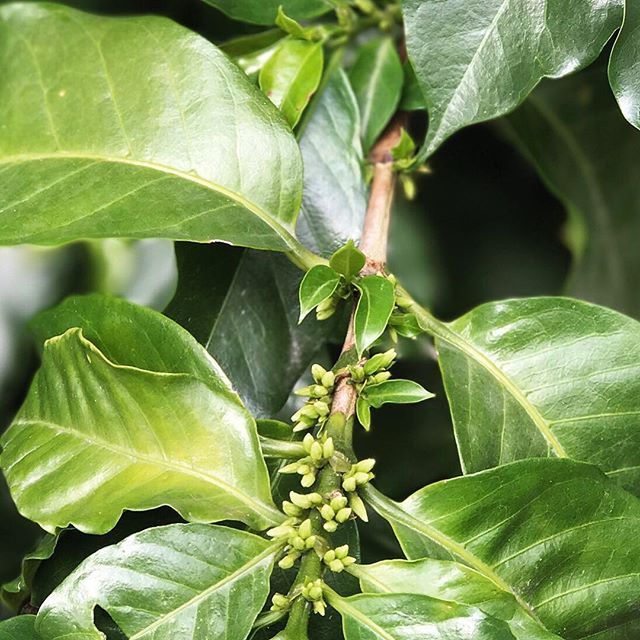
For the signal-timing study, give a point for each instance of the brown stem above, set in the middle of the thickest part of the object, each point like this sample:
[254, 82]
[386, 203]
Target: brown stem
[374, 245]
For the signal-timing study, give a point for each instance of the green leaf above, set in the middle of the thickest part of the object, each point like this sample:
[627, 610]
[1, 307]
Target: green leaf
[333, 160]
[376, 302]
[266, 11]
[130, 335]
[318, 284]
[405, 616]
[348, 260]
[94, 438]
[454, 582]
[20, 628]
[247, 318]
[150, 132]
[573, 133]
[624, 67]
[363, 412]
[395, 391]
[291, 75]
[16, 592]
[377, 78]
[178, 581]
[544, 377]
[555, 534]
[251, 52]
[412, 96]
[478, 59]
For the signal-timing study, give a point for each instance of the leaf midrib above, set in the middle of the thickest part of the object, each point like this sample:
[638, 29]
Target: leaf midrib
[245, 568]
[270, 220]
[171, 465]
[443, 332]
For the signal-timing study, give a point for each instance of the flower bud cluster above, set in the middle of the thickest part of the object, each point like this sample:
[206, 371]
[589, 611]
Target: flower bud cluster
[338, 559]
[374, 370]
[313, 592]
[320, 452]
[335, 511]
[359, 475]
[315, 411]
[280, 602]
[298, 536]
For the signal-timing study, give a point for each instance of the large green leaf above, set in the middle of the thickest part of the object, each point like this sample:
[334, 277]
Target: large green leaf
[193, 582]
[94, 438]
[266, 11]
[544, 377]
[333, 161]
[136, 127]
[406, 616]
[20, 628]
[589, 156]
[243, 306]
[556, 534]
[454, 582]
[376, 77]
[624, 69]
[478, 59]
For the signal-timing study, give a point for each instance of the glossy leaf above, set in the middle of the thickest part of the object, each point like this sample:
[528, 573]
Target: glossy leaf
[333, 160]
[396, 392]
[243, 307]
[175, 142]
[573, 133]
[291, 75]
[624, 68]
[544, 377]
[94, 438]
[377, 78]
[251, 52]
[405, 616]
[556, 534]
[453, 582]
[19, 628]
[179, 581]
[478, 59]
[130, 335]
[348, 260]
[318, 284]
[376, 302]
[363, 412]
[266, 11]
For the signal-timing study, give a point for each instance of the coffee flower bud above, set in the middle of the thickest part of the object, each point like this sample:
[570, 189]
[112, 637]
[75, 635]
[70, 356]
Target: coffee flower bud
[318, 371]
[383, 376]
[280, 602]
[328, 380]
[358, 507]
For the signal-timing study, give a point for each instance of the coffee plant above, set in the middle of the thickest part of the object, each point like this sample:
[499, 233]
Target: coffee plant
[227, 419]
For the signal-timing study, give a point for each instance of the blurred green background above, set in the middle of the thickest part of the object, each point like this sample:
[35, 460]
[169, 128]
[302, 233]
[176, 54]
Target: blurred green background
[483, 227]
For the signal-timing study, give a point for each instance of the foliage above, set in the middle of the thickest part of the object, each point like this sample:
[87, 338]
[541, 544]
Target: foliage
[194, 467]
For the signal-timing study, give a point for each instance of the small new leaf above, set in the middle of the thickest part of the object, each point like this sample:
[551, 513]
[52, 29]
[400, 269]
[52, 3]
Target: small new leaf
[405, 147]
[363, 411]
[395, 391]
[318, 285]
[377, 299]
[292, 75]
[348, 261]
[290, 26]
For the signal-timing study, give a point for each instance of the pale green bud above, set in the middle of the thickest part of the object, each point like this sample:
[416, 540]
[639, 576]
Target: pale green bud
[310, 542]
[327, 512]
[339, 502]
[280, 602]
[383, 376]
[305, 528]
[357, 373]
[361, 478]
[300, 500]
[289, 560]
[291, 509]
[315, 499]
[331, 526]
[348, 561]
[303, 469]
[342, 551]
[328, 379]
[308, 480]
[317, 371]
[301, 426]
[365, 465]
[328, 448]
[290, 468]
[374, 364]
[349, 484]
[319, 607]
[358, 506]
[343, 515]
[298, 543]
[307, 442]
[309, 411]
[336, 566]
[316, 451]
[318, 391]
[329, 556]
[321, 407]
[304, 392]
[315, 593]
[282, 531]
